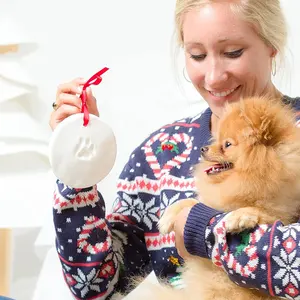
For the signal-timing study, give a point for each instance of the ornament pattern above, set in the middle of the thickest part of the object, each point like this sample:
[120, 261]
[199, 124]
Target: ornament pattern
[166, 139]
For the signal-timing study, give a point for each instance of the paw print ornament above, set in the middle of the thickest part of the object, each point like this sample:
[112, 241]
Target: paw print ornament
[82, 148]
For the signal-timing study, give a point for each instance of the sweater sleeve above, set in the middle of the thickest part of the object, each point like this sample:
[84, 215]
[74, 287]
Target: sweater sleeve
[265, 258]
[98, 253]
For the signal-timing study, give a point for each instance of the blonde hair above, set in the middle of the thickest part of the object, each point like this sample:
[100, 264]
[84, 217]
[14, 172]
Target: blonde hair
[265, 15]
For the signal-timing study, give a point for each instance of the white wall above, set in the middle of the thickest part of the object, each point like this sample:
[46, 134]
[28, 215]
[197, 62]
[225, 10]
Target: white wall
[134, 38]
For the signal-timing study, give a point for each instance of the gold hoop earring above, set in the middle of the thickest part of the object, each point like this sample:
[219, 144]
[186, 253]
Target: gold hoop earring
[185, 76]
[274, 67]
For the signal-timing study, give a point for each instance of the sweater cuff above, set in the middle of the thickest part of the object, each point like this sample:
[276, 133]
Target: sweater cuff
[195, 227]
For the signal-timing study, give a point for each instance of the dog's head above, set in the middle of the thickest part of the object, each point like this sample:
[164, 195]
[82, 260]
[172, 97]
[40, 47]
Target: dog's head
[253, 143]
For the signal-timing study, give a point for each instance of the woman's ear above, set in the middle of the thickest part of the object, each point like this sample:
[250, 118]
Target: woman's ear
[273, 52]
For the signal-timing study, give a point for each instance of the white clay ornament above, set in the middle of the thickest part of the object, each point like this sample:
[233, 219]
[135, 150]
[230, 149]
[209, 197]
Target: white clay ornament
[82, 147]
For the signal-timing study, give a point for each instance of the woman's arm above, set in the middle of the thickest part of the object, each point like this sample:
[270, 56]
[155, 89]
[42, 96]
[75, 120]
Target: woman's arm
[266, 257]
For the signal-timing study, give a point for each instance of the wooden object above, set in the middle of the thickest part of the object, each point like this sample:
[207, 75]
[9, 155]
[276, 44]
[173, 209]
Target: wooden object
[5, 261]
[8, 48]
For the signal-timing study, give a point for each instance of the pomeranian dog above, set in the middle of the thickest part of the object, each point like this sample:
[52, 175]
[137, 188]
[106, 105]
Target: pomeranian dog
[251, 169]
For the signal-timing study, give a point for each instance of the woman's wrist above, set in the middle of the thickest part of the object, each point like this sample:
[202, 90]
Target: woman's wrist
[195, 227]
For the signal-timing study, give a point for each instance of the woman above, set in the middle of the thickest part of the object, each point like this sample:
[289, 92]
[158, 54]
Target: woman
[230, 50]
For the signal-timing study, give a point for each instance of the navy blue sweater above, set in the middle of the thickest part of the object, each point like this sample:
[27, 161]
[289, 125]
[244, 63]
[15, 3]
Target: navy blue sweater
[100, 250]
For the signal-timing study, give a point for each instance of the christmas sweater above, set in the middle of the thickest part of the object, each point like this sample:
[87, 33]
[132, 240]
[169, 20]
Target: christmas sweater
[99, 251]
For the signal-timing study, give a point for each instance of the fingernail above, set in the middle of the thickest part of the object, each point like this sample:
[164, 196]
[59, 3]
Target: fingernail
[79, 89]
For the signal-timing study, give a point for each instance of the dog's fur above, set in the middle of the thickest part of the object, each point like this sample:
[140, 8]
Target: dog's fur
[262, 185]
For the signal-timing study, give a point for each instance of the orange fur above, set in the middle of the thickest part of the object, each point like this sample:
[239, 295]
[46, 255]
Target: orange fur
[265, 153]
[262, 186]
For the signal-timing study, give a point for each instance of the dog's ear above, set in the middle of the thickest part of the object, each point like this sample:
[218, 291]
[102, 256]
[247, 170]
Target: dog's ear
[266, 119]
[250, 135]
[268, 130]
[265, 129]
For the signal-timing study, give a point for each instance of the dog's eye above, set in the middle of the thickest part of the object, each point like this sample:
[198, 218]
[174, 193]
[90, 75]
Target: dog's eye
[227, 144]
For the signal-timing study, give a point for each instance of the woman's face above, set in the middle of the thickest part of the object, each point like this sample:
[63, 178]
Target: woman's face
[225, 57]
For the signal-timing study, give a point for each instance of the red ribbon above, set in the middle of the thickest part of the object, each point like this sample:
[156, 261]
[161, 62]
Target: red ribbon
[95, 80]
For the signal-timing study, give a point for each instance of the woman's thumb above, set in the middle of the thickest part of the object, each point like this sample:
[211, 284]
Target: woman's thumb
[91, 101]
[89, 95]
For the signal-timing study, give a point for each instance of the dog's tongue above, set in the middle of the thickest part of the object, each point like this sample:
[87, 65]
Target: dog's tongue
[209, 169]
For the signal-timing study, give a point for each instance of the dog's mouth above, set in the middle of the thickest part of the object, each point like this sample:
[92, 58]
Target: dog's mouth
[218, 168]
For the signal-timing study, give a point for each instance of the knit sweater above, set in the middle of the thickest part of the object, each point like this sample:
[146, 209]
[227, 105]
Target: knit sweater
[99, 251]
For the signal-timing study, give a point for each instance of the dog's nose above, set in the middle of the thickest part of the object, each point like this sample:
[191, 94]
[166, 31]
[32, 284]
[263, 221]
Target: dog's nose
[204, 149]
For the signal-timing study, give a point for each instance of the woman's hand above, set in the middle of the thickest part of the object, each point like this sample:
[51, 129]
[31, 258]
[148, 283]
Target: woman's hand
[68, 101]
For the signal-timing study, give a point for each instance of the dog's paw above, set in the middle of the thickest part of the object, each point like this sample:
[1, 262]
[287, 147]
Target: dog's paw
[166, 222]
[238, 221]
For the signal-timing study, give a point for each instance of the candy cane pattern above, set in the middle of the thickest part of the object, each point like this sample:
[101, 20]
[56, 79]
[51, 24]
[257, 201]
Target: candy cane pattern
[176, 161]
[91, 224]
[228, 258]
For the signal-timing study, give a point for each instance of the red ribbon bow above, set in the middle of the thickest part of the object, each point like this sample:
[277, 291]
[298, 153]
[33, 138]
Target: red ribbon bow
[95, 80]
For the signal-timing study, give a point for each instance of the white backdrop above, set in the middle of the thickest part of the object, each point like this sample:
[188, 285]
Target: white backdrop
[134, 39]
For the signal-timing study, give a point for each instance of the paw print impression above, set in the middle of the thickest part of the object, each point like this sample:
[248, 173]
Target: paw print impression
[85, 150]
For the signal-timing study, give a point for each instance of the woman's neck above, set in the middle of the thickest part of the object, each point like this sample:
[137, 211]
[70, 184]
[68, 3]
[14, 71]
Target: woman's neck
[214, 121]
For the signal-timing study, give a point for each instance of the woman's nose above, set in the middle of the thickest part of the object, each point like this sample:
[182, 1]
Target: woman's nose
[215, 75]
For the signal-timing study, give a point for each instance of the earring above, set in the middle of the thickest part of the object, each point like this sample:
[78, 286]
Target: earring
[184, 75]
[274, 67]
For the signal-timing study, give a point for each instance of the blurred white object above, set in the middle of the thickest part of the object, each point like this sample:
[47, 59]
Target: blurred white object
[13, 71]
[25, 168]
[19, 125]
[26, 195]
[11, 34]
[24, 173]
[9, 90]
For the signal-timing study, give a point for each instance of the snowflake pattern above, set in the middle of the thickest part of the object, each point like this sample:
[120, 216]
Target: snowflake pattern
[167, 201]
[289, 231]
[288, 268]
[88, 282]
[145, 212]
[129, 206]
[150, 213]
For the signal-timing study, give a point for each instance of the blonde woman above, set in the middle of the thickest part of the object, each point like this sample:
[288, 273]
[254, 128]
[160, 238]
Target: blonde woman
[230, 49]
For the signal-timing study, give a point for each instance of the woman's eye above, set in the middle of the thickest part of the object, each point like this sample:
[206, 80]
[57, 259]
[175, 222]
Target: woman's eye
[197, 57]
[234, 54]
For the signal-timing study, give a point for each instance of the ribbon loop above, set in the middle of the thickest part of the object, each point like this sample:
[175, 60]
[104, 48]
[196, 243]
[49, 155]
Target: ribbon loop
[94, 80]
